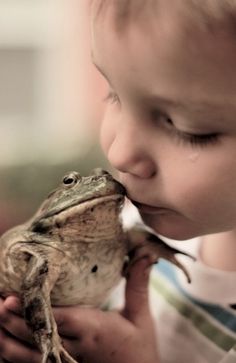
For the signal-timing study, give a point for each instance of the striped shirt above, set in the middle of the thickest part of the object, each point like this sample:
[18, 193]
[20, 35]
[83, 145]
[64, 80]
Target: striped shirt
[194, 322]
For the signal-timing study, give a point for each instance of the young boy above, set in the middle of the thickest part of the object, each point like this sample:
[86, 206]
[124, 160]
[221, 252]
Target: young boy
[170, 131]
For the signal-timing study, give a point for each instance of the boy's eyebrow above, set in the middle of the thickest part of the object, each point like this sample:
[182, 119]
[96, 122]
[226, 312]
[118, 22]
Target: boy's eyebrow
[166, 102]
[200, 107]
[162, 101]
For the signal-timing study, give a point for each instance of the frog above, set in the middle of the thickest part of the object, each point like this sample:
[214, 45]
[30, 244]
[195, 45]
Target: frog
[73, 251]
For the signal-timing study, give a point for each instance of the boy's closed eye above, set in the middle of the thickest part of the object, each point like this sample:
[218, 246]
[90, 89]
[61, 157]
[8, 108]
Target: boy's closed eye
[194, 139]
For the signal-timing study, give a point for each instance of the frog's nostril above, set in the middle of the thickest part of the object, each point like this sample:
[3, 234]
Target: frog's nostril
[100, 172]
[105, 172]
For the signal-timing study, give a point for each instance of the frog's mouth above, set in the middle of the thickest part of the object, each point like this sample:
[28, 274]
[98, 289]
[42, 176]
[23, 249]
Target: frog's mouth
[93, 202]
[74, 211]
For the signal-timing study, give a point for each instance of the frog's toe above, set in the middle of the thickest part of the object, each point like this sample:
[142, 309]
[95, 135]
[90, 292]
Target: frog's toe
[51, 357]
[58, 355]
[67, 358]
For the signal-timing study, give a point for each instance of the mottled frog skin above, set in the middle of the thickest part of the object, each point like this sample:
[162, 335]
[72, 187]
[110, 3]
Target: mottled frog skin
[72, 251]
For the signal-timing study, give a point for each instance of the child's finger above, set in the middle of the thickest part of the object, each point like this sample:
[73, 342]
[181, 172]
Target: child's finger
[137, 299]
[14, 324]
[12, 303]
[13, 351]
[18, 328]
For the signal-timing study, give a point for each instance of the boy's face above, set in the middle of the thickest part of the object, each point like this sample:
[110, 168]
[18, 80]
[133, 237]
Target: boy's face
[170, 122]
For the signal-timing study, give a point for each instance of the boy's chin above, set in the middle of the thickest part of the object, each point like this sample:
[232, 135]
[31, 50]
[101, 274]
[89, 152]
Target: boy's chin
[171, 228]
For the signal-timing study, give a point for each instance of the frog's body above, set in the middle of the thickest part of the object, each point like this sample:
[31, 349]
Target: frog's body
[71, 252]
[76, 239]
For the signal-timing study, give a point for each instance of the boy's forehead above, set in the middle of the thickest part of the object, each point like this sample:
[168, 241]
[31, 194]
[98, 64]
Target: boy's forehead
[160, 20]
[200, 59]
[165, 20]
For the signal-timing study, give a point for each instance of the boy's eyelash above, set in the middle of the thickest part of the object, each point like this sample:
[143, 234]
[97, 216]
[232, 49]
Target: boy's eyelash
[193, 139]
[197, 140]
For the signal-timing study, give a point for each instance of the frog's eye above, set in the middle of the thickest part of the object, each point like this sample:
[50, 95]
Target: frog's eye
[71, 178]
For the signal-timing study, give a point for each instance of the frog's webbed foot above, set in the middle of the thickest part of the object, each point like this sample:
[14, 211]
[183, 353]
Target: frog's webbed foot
[145, 244]
[53, 350]
[57, 354]
[36, 303]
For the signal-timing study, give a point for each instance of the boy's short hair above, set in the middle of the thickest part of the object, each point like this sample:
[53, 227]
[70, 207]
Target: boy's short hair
[208, 13]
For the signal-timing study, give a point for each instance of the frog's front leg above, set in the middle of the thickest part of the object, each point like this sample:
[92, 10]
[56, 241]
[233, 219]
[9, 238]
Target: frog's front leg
[35, 297]
[143, 243]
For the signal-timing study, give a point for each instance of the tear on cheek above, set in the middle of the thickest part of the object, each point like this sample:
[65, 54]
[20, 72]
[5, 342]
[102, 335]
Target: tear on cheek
[194, 156]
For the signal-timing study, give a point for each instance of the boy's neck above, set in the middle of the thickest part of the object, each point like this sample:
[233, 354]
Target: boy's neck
[219, 250]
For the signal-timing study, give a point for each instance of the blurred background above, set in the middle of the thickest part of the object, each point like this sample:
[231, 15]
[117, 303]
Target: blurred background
[50, 101]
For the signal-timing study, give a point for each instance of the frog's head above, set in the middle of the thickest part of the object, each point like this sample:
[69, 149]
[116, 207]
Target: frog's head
[79, 202]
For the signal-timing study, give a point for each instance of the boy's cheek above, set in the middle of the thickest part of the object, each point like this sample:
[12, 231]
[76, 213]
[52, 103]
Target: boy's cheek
[104, 144]
[107, 136]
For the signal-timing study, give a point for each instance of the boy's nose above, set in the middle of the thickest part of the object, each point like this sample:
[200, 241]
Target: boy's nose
[128, 155]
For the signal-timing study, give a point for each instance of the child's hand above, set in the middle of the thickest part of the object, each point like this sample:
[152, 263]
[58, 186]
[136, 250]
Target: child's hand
[15, 337]
[95, 336]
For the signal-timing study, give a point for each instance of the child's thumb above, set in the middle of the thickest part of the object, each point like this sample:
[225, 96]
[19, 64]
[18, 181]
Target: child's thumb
[137, 300]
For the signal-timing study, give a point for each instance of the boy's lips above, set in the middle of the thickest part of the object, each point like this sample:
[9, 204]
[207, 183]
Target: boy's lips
[149, 209]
